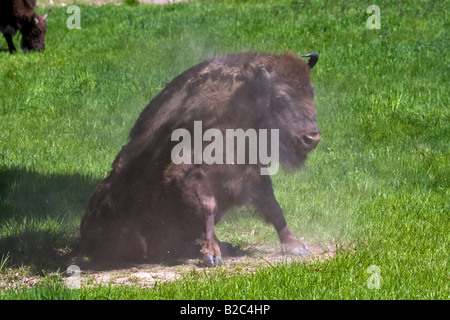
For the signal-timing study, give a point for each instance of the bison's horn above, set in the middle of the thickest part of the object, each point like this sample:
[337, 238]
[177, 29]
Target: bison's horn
[313, 57]
[46, 15]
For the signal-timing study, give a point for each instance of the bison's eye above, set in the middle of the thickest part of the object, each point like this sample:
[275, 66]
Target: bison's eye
[281, 102]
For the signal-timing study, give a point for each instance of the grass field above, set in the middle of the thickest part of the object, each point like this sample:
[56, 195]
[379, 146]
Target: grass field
[376, 188]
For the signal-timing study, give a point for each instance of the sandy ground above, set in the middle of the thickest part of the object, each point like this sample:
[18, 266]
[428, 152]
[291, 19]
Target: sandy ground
[146, 275]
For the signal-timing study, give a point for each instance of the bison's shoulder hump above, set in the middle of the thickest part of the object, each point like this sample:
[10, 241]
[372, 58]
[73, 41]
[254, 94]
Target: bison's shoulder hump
[188, 96]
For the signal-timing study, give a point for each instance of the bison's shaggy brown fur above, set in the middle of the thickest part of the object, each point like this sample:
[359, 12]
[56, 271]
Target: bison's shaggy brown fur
[149, 207]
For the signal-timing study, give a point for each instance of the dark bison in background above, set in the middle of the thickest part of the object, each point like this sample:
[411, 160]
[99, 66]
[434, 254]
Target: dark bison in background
[150, 207]
[19, 15]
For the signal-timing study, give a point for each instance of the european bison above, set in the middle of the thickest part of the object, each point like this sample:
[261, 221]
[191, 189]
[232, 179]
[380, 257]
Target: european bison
[19, 15]
[159, 197]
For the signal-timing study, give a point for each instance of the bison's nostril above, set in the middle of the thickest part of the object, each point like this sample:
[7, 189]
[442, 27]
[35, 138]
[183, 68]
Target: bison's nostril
[311, 140]
[307, 140]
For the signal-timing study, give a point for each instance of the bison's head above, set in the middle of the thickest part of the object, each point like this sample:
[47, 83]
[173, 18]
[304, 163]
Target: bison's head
[33, 33]
[290, 107]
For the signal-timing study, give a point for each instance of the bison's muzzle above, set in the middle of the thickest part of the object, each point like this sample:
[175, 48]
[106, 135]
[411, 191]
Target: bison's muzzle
[310, 140]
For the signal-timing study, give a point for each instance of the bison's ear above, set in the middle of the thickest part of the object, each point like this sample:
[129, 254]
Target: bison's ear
[313, 57]
[264, 70]
[33, 19]
[256, 70]
[46, 15]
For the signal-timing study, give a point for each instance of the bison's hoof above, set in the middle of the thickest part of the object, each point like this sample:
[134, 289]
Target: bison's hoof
[295, 249]
[300, 252]
[209, 260]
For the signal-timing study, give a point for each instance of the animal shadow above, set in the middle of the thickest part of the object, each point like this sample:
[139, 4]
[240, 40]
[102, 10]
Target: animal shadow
[40, 216]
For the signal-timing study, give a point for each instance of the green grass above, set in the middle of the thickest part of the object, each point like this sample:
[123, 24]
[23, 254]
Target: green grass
[377, 186]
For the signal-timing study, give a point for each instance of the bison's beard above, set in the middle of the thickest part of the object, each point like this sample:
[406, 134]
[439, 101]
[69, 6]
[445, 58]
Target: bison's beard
[292, 157]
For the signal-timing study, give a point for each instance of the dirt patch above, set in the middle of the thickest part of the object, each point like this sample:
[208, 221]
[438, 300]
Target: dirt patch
[146, 275]
[15, 279]
[244, 261]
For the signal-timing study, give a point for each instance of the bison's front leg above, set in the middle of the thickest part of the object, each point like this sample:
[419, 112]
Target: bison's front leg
[210, 245]
[192, 184]
[263, 199]
[197, 194]
[9, 40]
